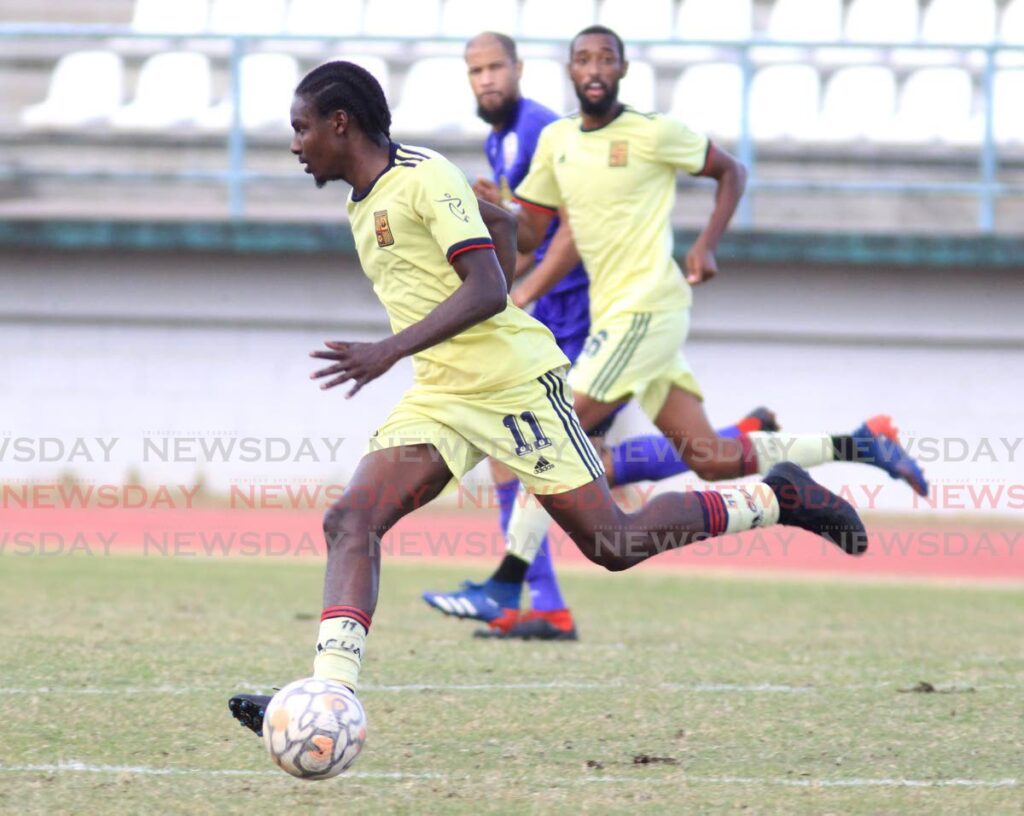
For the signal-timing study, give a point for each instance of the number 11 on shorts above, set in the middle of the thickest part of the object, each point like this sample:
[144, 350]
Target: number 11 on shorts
[522, 446]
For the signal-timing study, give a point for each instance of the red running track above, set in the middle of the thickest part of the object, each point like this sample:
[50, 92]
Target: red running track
[946, 550]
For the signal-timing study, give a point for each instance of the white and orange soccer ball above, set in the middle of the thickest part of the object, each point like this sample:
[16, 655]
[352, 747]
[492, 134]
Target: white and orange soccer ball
[314, 729]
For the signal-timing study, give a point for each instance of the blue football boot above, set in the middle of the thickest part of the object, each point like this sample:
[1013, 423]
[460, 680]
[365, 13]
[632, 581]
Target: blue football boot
[878, 444]
[475, 601]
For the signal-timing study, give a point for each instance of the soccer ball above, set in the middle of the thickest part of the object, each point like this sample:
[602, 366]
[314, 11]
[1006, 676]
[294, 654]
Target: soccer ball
[314, 729]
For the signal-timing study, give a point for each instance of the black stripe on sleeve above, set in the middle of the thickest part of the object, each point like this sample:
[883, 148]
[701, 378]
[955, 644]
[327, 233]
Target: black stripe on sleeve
[708, 151]
[536, 205]
[469, 243]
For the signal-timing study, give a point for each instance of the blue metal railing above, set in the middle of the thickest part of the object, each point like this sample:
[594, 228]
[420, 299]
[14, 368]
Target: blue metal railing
[987, 189]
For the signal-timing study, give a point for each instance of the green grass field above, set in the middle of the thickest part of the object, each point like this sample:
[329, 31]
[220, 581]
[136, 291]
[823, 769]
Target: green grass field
[770, 696]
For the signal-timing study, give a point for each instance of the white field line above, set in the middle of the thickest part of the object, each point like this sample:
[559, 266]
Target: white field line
[814, 783]
[697, 688]
[141, 770]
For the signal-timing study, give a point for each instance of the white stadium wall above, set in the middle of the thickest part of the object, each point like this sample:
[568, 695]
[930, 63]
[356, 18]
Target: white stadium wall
[173, 355]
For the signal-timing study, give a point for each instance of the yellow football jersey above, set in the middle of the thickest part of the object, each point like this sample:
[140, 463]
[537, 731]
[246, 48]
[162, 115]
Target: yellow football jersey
[408, 228]
[618, 186]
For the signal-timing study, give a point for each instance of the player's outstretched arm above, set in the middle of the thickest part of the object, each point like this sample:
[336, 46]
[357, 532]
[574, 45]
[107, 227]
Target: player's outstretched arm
[731, 176]
[482, 294]
[502, 227]
[560, 259]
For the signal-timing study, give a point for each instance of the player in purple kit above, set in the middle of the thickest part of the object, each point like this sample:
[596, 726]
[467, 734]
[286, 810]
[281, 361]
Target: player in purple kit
[494, 72]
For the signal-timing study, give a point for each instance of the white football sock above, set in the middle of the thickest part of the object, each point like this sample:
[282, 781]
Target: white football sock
[805, 450]
[526, 528]
[750, 506]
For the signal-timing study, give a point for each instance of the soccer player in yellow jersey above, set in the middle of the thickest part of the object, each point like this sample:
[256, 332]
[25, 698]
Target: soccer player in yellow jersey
[494, 70]
[613, 170]
[489, 379]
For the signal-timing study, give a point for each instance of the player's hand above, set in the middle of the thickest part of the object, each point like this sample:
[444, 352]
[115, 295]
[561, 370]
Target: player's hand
[701, 265]
[487, 190]
[362, 362]
[521, 298]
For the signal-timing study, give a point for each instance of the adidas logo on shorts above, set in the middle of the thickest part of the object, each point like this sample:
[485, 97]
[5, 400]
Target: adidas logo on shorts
[542, 465]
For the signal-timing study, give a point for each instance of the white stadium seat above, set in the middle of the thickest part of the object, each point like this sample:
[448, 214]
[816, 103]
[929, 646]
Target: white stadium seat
[1011, 32]
[803, 21]
[246, 16]
[715, 20]
[935, 105]
[325, 18]
[1008, 91]
[545, 81]
[959, 21]
[402, 18]
[466, 18]
[436, 99]
[268, 83]
[174, 88]
[806, 20]
[638, 89]
[883, 21]
[858, 102]
[557, 19]
[1011, 29]
[651, 20]
[727, 20]
[708, 97]
[86, 86]
[784, 102]
[163, 17]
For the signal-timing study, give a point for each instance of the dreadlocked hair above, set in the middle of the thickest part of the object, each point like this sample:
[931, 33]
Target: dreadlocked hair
[346, 86]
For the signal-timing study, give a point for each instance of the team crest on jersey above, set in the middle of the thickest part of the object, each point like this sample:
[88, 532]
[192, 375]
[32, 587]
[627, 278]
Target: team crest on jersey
[618, 154]
[382, 228]
[510, 149]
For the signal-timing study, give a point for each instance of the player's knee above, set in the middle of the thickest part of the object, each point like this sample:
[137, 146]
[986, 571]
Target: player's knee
[712, 458]
[604, 551]
[345, 525]
[612, 563]
[615, 563]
